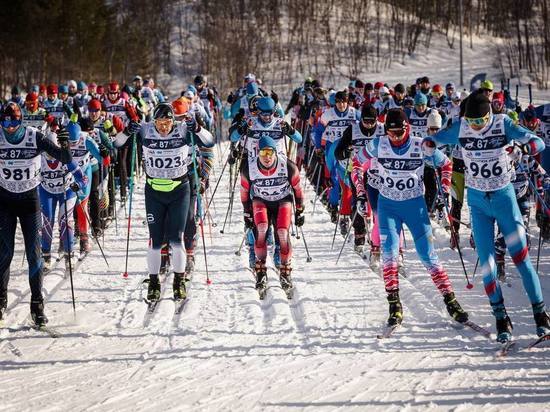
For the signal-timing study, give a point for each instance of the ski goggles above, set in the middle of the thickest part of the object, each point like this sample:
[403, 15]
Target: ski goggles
[267, 152]
[368, 121]
[397, 132]
[7, 123]
[477, 121]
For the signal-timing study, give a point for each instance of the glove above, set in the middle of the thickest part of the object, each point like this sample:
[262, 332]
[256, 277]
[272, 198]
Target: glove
[320, 154]
[248, 220]
[63, 137]
[191, 123]
[81, 181]
[235, 154]
[133, 128]
[428, 147]
[287, 129]
[106, 161]
[361, 205]
[546, 182]
[242, 128]
[299, 218]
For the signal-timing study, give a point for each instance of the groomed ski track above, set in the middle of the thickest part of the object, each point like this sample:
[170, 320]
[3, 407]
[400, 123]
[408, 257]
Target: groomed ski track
[230, 351]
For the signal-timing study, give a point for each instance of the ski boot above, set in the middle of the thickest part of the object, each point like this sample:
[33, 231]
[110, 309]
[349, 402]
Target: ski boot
[501, 273]
[504, 324]
[3, 305]
[344, 225]
[37, 312]
[284, 276]
[454, 308]
[153, 290]
[47, 256]
[542, 319]
[333, 211]
[396, 310]
[261, 278]
[277, 256]
[374, 258]
[180, 291]
[359, 249]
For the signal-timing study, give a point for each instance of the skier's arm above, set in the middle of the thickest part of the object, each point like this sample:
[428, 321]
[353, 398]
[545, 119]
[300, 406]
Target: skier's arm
[532, 143]
[92, 147]
[439, 160]
[361, 163]
[63, 154]
[245, 189]
[447, 136]
[207, 161]
[291, 132]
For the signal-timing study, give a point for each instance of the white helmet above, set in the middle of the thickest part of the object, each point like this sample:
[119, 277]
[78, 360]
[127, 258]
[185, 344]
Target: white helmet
[434, 119]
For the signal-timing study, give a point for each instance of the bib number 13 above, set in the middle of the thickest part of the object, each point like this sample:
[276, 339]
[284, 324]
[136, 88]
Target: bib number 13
[485, 170]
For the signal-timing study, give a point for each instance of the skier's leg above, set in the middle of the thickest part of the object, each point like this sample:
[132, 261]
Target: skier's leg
[48, 214]
[66, 229]
[284, 215]
[261, 221]
[178, 208]
[30, 220]
[390, 226]
[8, 224]
[156, 210]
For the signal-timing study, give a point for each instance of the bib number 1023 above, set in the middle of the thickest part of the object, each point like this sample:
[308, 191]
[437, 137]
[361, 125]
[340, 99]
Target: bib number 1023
[486, 170]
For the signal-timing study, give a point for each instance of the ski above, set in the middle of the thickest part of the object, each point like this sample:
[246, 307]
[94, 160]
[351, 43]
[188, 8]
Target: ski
[479, 329]
[13, 349]
[151, 305]
[288, 289]
[180, 305]
[387, 331]
[46, 329]
[505, 348]
[543, 338]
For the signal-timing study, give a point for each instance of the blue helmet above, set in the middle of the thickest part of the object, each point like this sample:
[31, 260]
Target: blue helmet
[192, 88]
[80, 86]
[252, 89]
[74, 131]
[63, 88]
[35, 88]
[266, 105]
[420, 99]
[266, 141]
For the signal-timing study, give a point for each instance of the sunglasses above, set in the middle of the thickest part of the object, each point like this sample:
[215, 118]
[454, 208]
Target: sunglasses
[267, 152]
[341, 101]
[478, 121]
[487, 90]
[266, 114]
[368, 120]
[397, 132]
[433, 129]
[7, 123]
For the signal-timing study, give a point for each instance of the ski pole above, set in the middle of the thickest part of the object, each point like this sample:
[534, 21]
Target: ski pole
[529, 87]
[469, 285]
[475, 270]
[75, 189]
[238, 252]
[217, 184]
[308, 259]
[132, 160]
[69, 245]
[346, 238]
[112, 178]
[538, 250]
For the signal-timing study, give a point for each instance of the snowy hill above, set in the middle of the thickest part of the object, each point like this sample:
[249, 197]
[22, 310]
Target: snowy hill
[230, 351]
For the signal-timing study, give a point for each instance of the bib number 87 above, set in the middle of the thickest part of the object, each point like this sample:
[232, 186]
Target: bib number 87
[485, 170]
[16, 174]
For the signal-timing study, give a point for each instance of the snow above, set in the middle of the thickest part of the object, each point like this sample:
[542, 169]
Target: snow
[229, 351]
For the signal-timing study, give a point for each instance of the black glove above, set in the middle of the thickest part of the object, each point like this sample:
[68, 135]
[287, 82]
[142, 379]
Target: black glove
[248, 220]
[361, 205]
[298, 216]
[133, 127]
[287, 129]
[242, 128]
[104, 150]
[191, 123]
[63, 137]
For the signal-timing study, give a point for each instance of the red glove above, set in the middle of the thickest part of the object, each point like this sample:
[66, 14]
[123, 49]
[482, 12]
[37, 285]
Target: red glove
[107, 161]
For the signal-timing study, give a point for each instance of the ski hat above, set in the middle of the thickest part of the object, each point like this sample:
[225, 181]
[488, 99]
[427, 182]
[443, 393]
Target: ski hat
[266, 141]
[368, 112]
[94, 105]
[378, 85]
[74, 130]
[477, 105]
[252, 89]
[250, 78]
[396, 119]
[341, 95]
[63, 89]
[456, 96]
[498, 96]
[369, 86]
[52, 89]
[383, 91]
[359, 84]
[399, 88]
[434, 119]
[192, 89]
[420, 99]
[15, 90]
[32, 97]
[450, 85]
[81, 86]
[189, 94]
[351, 84]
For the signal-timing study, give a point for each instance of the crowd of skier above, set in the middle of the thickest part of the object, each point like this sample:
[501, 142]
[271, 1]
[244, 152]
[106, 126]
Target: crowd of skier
[379, 157]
